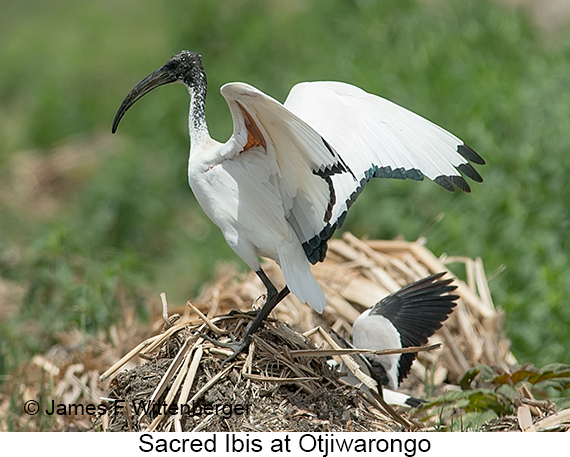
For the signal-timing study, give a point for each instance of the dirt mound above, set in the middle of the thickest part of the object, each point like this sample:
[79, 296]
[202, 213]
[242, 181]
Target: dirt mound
[187, 388]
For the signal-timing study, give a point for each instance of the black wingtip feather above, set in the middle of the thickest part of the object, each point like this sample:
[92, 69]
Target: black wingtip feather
[460, 183]
[470, 154]
[444, 182]
[417, 311]
[468, 170]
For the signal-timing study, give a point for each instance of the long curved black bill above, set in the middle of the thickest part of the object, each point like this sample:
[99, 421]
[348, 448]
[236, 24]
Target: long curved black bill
[152, 81]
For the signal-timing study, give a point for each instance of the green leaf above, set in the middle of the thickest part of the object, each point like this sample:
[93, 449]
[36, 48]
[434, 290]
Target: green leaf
[468, 377]
[484, 399]
[503, 378]
[522, 374]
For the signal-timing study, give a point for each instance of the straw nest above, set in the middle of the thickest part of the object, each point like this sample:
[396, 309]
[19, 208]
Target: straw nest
[284, 382]
[285, 377]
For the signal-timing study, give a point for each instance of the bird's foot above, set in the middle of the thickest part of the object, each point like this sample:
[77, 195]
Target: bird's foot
[236, 346]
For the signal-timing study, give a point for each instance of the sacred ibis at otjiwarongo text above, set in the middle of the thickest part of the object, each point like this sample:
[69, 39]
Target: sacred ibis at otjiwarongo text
[284, 181]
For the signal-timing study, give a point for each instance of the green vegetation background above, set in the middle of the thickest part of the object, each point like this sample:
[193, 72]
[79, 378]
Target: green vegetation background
[83, 213]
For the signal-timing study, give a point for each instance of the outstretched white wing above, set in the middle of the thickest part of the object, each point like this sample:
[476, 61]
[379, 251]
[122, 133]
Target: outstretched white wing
[329, 139]
[377, 138]
[365, 129]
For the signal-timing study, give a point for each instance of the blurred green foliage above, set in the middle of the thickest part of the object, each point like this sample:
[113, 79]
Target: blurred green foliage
[488, 393]
[478, 69]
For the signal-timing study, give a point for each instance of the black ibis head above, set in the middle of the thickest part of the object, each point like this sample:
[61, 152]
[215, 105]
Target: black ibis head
[185, 67]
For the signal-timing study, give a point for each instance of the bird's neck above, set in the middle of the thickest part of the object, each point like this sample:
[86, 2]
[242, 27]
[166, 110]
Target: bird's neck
[197, 125]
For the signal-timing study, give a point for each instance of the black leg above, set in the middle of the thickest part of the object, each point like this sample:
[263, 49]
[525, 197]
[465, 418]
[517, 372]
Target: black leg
[273, 299]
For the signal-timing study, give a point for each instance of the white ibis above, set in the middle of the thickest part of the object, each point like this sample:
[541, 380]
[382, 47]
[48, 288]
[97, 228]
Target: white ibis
[404, 319]
[284, 181]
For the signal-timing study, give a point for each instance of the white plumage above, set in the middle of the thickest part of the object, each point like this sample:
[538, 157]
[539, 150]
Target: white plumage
[282, 184]
[377, 332]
